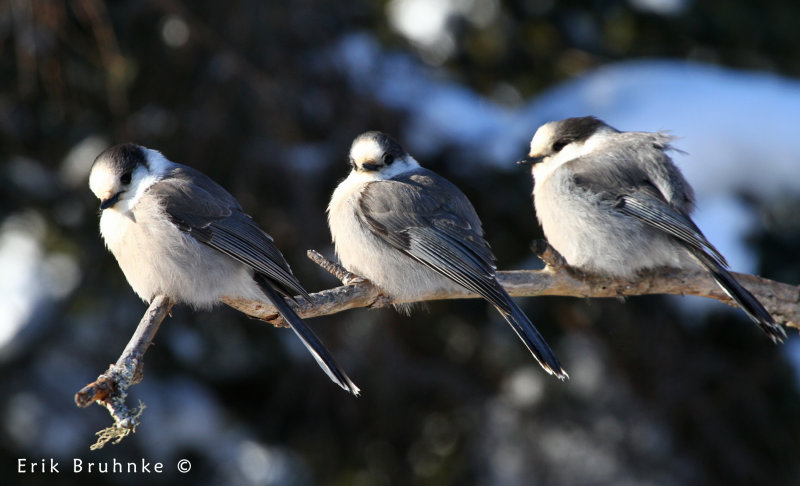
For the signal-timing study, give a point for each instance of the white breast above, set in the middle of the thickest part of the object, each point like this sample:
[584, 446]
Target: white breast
[157, 258]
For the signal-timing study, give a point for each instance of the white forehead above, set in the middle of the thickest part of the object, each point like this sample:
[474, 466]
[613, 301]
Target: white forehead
[366, 149]
[104, 176]
[543, 138]
[102, 179]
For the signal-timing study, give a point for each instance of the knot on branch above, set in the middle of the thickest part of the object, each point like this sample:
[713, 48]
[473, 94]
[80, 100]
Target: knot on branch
[111, 390]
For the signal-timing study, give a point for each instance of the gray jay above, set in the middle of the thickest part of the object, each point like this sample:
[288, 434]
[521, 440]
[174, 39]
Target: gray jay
[410, 232]
[614, 202]
[175, 232]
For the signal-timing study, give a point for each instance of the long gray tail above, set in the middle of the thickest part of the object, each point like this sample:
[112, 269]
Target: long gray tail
[534, 341]
[747, 301]
[307, 336]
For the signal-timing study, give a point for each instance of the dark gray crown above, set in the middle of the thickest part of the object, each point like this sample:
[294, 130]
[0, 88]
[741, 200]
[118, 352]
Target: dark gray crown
[579, 129]
[122, 158]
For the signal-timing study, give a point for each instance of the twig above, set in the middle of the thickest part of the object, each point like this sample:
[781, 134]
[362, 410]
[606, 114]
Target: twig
[548, 255]
[334, 268]
[348, 278]
[111, 388]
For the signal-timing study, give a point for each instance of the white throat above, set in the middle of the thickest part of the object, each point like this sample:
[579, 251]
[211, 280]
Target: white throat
[400, 166]
[143, 177]
[543, 170]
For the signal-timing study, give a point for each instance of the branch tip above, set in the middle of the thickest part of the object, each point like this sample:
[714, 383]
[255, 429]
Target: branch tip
[548, 254]
[334, 268]
[111, 388]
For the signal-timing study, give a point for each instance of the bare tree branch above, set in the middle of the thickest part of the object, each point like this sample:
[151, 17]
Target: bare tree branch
[111, 388]
[781, 300]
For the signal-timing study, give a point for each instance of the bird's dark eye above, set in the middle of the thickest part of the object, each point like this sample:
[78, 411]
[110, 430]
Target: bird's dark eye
[558, 145]
[126, 178]
[388, 159]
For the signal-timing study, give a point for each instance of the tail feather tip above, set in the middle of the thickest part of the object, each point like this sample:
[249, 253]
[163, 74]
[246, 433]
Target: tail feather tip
[774, 331]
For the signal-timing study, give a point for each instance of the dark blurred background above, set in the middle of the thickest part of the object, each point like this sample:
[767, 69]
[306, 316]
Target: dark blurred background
[265, 97]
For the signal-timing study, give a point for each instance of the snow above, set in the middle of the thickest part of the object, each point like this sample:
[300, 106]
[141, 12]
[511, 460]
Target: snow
[736, 127]
[429, 24]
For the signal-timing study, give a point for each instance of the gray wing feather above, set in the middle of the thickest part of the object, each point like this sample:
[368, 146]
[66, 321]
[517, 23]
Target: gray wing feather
[637, 159]
[429, 219]
[637, 192]
[203, 209]
[647, 205]
[432, 221]
[643, 190]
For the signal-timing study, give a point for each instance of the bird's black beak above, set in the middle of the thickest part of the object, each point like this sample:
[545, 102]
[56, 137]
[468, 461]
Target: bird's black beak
[530, 160]
[107, 203]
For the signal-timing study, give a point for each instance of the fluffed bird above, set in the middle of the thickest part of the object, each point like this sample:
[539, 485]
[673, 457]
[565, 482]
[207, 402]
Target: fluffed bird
[411, 232]
[614, 203]
[176, 232]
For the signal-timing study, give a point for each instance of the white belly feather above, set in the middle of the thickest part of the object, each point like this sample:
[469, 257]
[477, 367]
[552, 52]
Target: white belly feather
[158, 258]
[570, 223]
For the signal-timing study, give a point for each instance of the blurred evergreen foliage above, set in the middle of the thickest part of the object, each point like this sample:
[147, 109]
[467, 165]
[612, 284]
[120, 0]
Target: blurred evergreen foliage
[247, 91]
